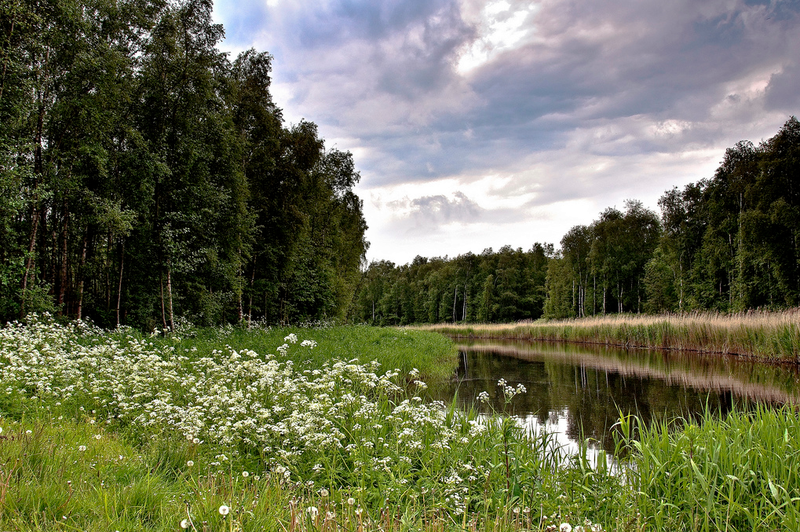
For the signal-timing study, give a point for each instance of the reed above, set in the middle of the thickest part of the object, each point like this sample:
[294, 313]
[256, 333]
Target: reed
[737, 472]
[760, 334]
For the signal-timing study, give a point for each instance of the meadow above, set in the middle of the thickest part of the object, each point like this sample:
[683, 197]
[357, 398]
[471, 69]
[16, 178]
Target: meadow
[773, 335]
[329, 428]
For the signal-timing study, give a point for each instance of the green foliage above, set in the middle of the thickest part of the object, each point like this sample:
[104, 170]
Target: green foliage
[144, 176]
[728, 243]
[506, 285]
[94, 425]
[733, 473]
[111, 427]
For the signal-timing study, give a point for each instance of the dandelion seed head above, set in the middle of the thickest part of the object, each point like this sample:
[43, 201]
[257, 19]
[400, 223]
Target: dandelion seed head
[224, 510]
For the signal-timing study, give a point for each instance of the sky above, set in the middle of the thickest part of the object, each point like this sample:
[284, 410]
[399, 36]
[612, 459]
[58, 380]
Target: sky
[482, 123]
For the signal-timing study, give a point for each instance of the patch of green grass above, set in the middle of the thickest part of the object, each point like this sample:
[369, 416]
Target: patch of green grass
[737, 472]
[122, 431]
[433, 354]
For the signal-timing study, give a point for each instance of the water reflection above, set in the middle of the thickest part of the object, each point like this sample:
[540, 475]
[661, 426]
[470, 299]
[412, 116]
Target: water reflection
[579, 390]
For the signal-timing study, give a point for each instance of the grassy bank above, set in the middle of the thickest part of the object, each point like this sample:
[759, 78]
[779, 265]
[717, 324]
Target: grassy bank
[119, 431]
[741, 472]
[761, 334]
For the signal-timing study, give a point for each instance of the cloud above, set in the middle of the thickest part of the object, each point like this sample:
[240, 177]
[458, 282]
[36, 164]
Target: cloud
[783, 91]
[430, 212]
[572, 102]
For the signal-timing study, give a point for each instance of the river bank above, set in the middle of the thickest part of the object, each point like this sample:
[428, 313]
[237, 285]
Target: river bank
[765, 335]
[118, 430]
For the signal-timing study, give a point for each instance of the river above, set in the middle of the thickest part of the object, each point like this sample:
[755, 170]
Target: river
[578, 391]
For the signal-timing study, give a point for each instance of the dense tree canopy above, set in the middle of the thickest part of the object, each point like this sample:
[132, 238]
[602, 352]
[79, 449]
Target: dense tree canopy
[145, 176]
[506, 285]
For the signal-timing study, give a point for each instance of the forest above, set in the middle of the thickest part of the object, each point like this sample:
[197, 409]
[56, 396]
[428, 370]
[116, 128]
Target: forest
[728, 243]
[145, 177]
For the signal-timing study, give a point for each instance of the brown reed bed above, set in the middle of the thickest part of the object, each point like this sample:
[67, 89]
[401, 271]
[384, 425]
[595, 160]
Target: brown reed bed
[771, 335]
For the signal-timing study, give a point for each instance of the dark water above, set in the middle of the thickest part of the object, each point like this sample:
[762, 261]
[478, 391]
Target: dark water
[579, 390]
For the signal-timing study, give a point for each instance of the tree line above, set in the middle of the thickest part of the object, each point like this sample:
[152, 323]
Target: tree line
[728, 243]
[144, 175]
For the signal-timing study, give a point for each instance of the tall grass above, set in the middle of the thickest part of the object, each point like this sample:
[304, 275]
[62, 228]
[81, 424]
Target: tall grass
[760, 334]
[737, 473]
[126, 428]
[119, 431]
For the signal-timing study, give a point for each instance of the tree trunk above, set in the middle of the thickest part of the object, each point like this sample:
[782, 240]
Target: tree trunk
[163, 312]
[119, 285]
[62, 277]
[80, 277]
[455, 292]
[573, 294]
[250, 302]
[239, 274]
[464, 312]
[108, 272]
[169, 299]
[30, 262]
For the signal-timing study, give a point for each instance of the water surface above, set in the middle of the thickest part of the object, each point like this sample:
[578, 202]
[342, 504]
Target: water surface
[579, 390]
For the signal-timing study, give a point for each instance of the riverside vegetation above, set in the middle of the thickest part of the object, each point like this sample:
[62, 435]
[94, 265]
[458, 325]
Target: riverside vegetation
[724, 244]
[116, 430]
[761, 334]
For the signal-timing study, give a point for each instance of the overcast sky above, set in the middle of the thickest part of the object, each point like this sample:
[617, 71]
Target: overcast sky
[479, 124]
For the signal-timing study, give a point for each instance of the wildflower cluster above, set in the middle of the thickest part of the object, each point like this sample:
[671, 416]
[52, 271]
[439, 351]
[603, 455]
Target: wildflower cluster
[343, 424]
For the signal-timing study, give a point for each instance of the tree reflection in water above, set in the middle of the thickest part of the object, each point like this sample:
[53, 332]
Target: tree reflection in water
[580, 390]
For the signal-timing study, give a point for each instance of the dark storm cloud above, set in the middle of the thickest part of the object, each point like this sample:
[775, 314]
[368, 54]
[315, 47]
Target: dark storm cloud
[607, 60]
[783, 91]
[409, 46]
